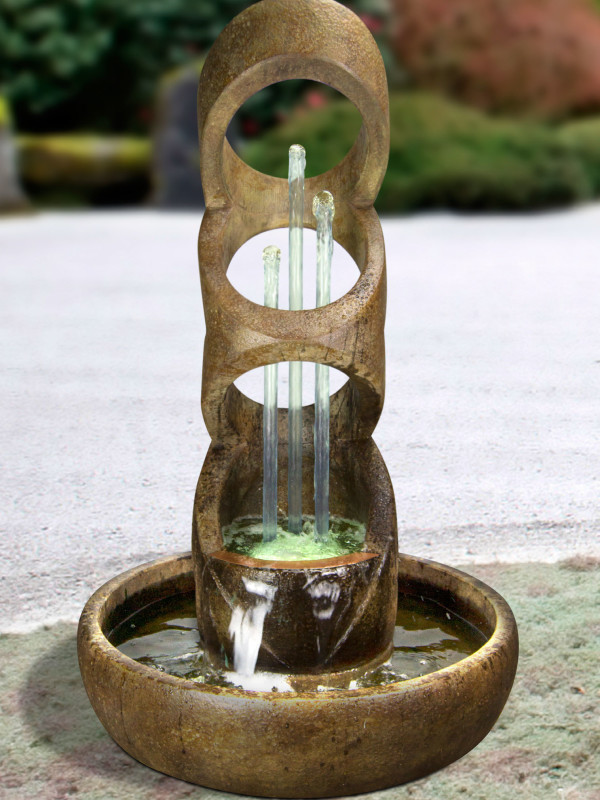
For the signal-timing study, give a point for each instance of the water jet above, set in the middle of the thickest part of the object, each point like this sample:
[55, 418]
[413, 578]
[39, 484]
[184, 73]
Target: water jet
[332, 717]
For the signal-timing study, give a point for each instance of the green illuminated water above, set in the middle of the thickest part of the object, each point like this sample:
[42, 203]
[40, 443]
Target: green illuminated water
[165, 636]
[245, 536]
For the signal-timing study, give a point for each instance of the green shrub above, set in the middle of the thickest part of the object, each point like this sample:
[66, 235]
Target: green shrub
[77, 64]
[583, 137]
[444, 154]
[327, 134]
[95, 64]
[5, 115]
[441, 155]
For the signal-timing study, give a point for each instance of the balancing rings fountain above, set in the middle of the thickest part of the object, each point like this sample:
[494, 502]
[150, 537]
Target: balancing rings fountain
[310, 742]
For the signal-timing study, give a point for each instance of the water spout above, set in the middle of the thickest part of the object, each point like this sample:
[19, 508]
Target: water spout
[324, 210]
[297, 163]
[271, 259]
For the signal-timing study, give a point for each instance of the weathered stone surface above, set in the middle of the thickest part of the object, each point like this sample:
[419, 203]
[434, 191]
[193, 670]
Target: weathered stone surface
[300, 744]
[257, 49]
[53, 745]
[304, 633]
[217, 737]
[537, 57]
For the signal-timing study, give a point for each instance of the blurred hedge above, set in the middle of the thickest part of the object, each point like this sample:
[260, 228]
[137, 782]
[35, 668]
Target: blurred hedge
[529, 58]
[443, 154]
[95, 64]
[583, 138]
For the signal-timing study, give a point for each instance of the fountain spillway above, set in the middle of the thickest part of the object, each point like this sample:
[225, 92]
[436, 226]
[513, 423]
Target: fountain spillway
[318, 619]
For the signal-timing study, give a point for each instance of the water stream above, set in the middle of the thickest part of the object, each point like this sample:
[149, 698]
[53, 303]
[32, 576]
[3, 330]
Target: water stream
[324, 210]
[246, 626]
[271, 261]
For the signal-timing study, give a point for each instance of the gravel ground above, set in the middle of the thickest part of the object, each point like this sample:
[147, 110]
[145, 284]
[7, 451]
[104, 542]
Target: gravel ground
[491, 430]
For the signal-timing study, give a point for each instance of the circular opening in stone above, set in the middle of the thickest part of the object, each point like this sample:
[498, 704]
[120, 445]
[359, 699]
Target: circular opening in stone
[246, 271]
[290, 112]
[251, 383]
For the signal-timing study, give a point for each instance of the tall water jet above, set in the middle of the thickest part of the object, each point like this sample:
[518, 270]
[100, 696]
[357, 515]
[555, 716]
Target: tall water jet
[297, 163]
[271, 259]
[324, 210]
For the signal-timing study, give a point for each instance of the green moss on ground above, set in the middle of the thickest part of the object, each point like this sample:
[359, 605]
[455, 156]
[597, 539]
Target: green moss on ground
[82, 160]
[5, 116]
[546, 743]
[442, 154]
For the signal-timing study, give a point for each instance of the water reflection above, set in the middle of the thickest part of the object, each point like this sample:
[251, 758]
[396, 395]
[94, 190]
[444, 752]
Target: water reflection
[165, 636]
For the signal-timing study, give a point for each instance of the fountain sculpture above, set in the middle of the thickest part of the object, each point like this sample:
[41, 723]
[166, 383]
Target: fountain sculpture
[321, 624]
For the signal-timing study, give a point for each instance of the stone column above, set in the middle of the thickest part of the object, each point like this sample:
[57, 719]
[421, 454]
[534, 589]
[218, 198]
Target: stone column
[12, 197]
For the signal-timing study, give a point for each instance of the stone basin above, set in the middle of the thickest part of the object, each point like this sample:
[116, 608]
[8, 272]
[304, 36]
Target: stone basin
[297, 744]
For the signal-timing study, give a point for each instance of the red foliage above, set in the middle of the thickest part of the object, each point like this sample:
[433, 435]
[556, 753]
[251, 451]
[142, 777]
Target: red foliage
[373, 23]
[315, 99]
[250, 127]
[539, 57]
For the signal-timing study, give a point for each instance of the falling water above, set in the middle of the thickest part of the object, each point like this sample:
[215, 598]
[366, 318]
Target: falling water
[246, 625]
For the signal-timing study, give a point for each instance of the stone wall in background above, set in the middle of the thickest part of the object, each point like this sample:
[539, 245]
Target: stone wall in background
[12, 197]
[175, 149]
[175, 158]
[533, 57]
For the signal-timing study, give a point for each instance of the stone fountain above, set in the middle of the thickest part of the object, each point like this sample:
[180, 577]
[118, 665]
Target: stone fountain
[323, 623]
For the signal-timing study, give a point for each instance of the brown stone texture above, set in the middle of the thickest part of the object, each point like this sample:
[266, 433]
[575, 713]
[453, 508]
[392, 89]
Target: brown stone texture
[297, 744]
[534, 57]
[326, 43]
[303, 743]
